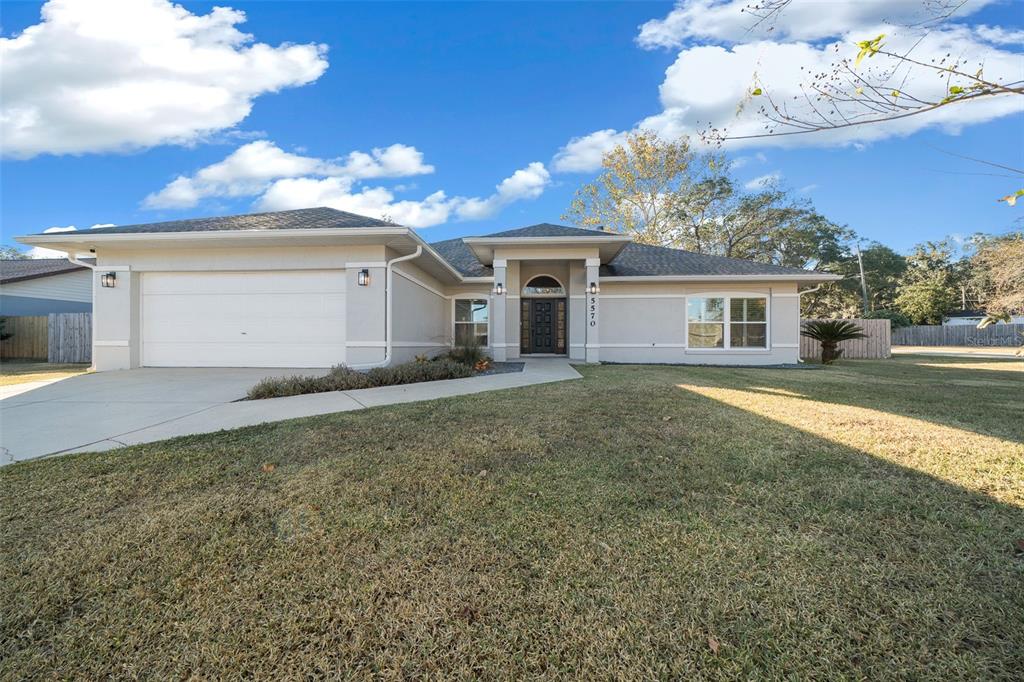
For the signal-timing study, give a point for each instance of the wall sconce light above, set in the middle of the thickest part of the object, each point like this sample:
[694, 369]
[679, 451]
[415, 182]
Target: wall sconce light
[108, 280]
[363, 278]
[499, 289]
[594, 288]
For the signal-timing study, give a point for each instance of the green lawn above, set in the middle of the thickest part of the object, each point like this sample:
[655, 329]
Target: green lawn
[856, 521]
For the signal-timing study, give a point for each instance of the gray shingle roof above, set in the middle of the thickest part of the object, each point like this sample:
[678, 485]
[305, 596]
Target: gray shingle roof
[18, 270]
[636, 260]
[644, 260]
[550, 230]
[303, 218]
[460, 257]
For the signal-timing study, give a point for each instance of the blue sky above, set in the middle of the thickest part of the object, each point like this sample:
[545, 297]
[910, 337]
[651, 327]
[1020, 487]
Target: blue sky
[477, 92]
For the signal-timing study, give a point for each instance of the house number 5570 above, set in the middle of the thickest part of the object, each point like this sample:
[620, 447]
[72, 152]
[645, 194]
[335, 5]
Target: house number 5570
[593, 311]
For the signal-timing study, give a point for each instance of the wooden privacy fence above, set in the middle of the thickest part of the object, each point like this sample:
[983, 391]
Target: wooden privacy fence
[69, 337]
[57, 337]
[877, 344]
[959, 335]
[28, 338]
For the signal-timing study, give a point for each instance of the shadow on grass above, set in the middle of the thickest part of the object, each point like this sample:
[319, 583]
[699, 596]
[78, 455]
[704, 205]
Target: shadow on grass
[938, 390]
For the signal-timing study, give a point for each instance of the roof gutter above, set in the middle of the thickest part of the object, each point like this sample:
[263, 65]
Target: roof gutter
[388, 308]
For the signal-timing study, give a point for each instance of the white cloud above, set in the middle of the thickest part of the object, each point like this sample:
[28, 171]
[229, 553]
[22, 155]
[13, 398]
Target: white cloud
[525, 183]
[40, 252]
[709, 85]
[251, 168]
[762, 181]
[741, 161]
[584, 153]
[108, 75]
[736, 21]
[434, 209]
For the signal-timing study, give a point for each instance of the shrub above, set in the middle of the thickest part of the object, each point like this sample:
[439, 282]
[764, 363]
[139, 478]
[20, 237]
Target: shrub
[415, 372]
[342, 378]
[279, 387]
[469, 354]
[895, 317]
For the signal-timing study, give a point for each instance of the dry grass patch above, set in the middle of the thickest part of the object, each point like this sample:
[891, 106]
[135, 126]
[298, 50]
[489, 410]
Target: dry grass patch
[13, 372]
[856, 521]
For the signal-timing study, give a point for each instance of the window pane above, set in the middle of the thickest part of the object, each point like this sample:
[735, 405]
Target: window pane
[480, 311]
[481, 334]
[463, 334]
[749, 335]
[705, 309]
[471, 311]
[747, 309]
[757, 309]
[706, 335]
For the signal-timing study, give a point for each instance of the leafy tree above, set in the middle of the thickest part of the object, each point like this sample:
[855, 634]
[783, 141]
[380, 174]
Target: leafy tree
[895, 317]
[640, 191]
[664, 194]
[13, 253]
[927, 290]
[883, 269]
[927, 300]
[998, 271]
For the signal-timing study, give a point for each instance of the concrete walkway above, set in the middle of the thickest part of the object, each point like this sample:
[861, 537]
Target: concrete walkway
[113, 409]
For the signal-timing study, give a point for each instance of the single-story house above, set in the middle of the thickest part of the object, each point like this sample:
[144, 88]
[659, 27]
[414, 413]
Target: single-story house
[317, 287]
[973, 317]
[40, 286]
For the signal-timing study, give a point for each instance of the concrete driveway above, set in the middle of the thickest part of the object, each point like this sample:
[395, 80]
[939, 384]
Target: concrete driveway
[99, 411]
[113, 409]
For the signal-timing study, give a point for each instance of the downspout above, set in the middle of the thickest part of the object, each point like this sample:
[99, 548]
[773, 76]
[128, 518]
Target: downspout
[800, 307]
[92, 292]
[388, 289]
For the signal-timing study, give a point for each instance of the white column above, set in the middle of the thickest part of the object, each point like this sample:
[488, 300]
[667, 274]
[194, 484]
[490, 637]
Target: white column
[498, 318]
[593, 310]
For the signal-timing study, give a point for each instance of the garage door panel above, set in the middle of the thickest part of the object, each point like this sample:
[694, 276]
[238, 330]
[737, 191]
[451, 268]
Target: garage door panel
[265, 282]
[240, 355]
[253, 319]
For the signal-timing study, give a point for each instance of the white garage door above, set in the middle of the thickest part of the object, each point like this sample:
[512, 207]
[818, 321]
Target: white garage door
[292, 318]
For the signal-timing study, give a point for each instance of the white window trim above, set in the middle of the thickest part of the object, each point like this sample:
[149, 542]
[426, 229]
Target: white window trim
[728, 296]
[490, 318]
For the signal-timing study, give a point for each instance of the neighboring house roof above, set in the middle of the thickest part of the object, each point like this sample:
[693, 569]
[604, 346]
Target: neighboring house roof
[20, 270]
[299, 219]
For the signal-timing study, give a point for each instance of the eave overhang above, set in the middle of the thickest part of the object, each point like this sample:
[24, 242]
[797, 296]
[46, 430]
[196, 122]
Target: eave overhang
[608, 246]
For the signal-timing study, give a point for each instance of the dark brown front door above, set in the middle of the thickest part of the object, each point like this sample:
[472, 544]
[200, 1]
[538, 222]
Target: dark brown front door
[543, 325]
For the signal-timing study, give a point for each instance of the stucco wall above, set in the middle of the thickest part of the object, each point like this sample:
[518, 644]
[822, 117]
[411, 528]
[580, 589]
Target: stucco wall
[646, 322]
[421, 316]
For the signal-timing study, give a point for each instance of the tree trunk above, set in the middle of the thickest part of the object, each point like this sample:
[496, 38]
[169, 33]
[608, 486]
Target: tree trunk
[829, 352]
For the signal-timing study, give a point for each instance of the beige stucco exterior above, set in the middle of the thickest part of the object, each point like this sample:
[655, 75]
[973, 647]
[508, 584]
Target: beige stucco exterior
[641, 320]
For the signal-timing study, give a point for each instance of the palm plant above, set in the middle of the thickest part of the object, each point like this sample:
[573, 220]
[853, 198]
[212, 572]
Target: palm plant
[829, 333]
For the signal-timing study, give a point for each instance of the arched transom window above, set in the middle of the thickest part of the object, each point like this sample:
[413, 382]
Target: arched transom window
[543, 285]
